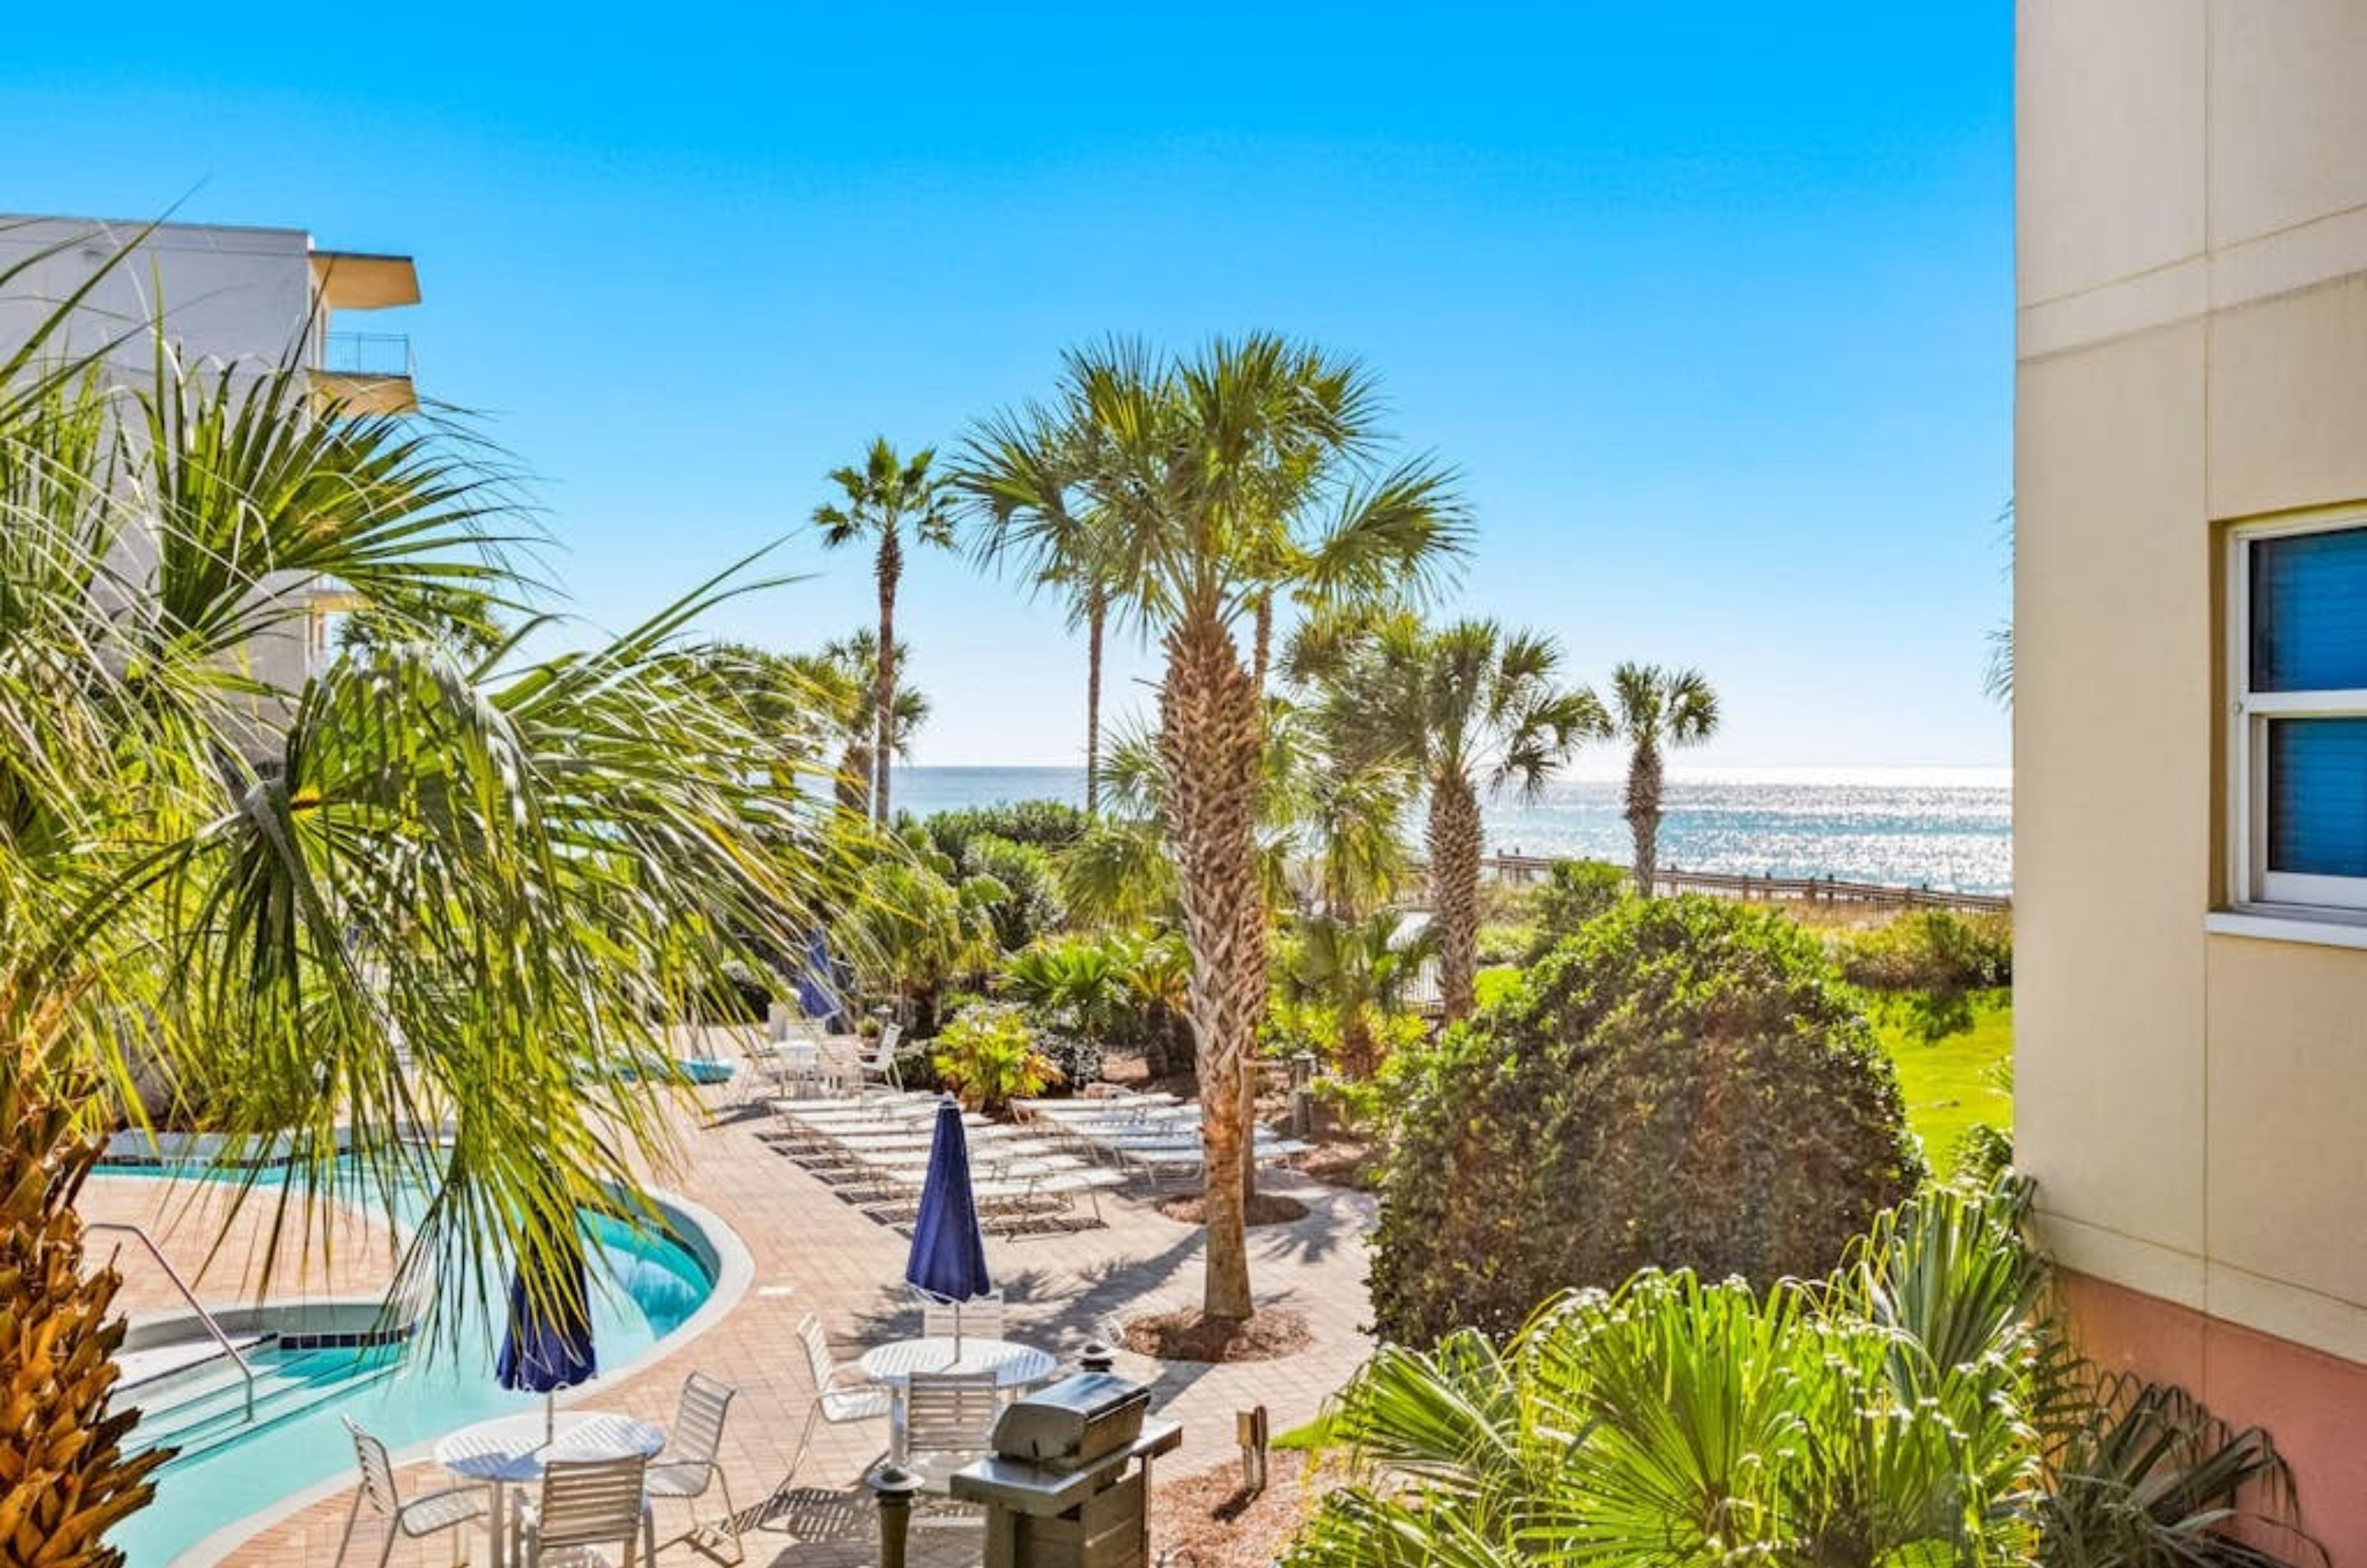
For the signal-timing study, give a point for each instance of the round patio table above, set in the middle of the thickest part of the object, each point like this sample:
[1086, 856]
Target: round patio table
[1015, 1366]
[511, 1450]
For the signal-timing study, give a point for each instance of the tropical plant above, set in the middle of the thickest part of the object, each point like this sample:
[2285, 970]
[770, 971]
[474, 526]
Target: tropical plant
[1638, 1102]
[844, 677]
[1046, 824]
[1653, 709]
[1916, 1405]
[986, 1055]
[1360, 971]
[1030, 906]
[1112, 988]
[915, 928]
[1215, 482]
[406, 892]
[1471, 708]
[877, 504]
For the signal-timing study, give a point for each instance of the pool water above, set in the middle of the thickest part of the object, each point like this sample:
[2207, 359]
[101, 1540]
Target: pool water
[645, 1286]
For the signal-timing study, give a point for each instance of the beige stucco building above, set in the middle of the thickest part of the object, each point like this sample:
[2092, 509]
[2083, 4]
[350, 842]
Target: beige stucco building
[2191, 716]
[232, 297]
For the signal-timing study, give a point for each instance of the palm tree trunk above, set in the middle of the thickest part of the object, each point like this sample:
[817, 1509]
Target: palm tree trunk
[1096, 614]
[1209, 743]
[65, 1480]
[891, 567]
[1644, 812]
[1454, 845]
[1263, 645]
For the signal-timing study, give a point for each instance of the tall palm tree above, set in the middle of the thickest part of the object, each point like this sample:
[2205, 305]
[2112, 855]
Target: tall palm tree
[406, 892]
[1024, 472]
[1471, 708]
[1652, 710]
[1217, 480]
[877, 504]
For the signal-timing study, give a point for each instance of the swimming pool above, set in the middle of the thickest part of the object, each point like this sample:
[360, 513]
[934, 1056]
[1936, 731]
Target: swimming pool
[646, 1285]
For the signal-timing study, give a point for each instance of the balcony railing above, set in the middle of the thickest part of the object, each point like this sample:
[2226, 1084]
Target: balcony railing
[366, 354]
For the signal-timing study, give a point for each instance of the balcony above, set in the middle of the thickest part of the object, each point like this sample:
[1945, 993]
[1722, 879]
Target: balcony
[366, 372]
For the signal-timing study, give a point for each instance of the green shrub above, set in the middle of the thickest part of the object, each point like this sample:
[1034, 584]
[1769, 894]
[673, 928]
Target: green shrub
[988, 1057]
[1686, 1083]
[1121, 991]
[1932, 950]
[1030, 906]
[1575, 892]
[1042, 824]
[1075, 1057]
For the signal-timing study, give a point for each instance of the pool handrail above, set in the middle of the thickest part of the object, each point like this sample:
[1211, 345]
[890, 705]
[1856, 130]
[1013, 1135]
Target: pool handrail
[206, 1319]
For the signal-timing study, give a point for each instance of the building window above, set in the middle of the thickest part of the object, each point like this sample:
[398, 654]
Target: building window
[2299, 736]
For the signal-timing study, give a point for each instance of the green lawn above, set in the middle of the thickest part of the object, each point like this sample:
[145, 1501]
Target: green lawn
[1953, 1083]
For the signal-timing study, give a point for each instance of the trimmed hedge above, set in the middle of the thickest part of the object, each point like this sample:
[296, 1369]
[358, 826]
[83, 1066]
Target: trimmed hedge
[1686, 1083]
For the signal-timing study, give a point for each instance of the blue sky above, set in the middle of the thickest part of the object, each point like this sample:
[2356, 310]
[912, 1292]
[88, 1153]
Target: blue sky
[1712, 304]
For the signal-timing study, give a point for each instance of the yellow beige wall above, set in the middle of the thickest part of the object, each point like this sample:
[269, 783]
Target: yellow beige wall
[2192, 352]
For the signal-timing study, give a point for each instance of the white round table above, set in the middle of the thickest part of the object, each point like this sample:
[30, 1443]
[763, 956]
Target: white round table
[1013, 1365]
[511, 1450]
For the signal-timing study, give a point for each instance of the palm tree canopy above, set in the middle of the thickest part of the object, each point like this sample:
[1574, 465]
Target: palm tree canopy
[1656, 706]
[1200, 485]
[401, 894]
[1471, 700]
[888, 493]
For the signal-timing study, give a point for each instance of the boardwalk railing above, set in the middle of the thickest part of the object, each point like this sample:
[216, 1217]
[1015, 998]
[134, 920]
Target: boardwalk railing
[1524, 870]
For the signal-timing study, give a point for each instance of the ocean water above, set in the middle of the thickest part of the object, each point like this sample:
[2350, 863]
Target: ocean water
[1939, 828]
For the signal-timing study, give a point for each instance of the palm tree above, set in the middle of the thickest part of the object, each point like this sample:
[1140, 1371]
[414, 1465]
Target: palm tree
[1653, 708]
[1217, 480]
[1025, 473]
[1471, 708]
[1358, 968]
[846, 675]
[403, 893]
[877, 502]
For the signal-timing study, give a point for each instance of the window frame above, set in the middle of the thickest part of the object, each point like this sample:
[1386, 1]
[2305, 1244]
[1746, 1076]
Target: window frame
[2252, 887]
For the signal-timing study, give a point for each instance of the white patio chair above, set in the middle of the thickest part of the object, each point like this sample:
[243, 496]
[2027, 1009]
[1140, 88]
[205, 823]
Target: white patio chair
[980, 1318]
[584, 1505]
[834, 1400]
[447, 1508]
[879, 1068]
[688, 1465]
[948, 1417]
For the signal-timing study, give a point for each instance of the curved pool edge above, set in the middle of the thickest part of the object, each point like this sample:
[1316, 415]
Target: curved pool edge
[700, 1229]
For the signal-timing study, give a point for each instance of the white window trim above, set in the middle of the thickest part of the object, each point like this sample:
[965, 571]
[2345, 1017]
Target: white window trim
[2267, 897]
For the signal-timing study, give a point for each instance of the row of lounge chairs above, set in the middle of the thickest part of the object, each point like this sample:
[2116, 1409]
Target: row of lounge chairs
[1155, 1134]
[874, 1149]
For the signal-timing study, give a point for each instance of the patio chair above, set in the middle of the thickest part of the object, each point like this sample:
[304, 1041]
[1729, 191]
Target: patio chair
[447, 1508]
[688, 1465]
[947, 1416]
[833, 1400]
[980, 1318]
[879, 1068]
[584, 1505]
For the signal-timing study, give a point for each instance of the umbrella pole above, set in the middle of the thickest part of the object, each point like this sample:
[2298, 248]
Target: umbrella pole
[550, 1417]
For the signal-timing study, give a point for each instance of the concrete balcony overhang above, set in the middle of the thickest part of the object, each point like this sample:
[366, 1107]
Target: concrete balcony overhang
[351, 392]
[364, 281]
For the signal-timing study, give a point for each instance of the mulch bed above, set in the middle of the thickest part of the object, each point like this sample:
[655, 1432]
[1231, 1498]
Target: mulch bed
[1265, 1209]
[1206, 1522]
[1191, 1335]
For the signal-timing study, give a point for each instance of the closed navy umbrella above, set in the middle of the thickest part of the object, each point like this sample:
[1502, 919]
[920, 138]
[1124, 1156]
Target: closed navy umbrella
[549, 1346]
[948, 1258]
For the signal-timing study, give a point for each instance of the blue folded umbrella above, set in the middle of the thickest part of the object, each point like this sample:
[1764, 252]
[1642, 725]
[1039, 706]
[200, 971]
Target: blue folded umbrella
[948, 1258]
[549, 1346]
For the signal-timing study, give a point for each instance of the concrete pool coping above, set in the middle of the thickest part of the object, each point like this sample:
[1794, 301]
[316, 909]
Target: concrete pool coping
[700, 1231]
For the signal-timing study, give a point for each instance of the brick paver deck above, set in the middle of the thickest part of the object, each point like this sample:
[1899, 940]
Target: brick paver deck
[814, 1253]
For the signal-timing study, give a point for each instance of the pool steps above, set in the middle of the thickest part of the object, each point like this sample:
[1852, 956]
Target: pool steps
[200, 1405]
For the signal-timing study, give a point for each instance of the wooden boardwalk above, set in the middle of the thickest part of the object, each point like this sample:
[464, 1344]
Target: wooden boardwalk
[1527, 870]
